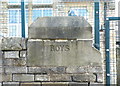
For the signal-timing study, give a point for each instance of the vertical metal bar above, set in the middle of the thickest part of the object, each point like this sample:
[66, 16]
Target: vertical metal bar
[23, 18]
[107, 51]
[96, 27]
[105, 13]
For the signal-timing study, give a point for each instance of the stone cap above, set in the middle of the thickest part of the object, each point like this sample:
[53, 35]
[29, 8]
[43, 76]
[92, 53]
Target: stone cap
[70, 27]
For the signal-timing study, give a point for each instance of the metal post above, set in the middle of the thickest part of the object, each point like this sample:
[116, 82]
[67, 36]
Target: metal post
[96, 27]
[107, 51]
[23, 18]
[107, 46]
[105, 13]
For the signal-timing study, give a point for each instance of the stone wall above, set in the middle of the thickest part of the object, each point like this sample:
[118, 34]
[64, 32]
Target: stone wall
[15, 71]
[58, 59]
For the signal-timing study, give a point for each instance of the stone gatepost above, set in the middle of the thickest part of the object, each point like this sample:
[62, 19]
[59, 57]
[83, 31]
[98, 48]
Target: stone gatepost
[58, 52]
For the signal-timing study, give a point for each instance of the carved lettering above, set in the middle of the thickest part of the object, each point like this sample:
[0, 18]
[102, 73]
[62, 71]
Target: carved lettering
[59, 47]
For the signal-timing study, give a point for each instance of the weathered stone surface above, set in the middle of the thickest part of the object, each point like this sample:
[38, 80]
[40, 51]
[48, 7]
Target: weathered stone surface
[53, 77]
[98, 84]
[13, 43]
[42, 78]
[1, 57]
[6, 77]
[1, 69]
[54, 83]
[14, 69]
[47, 70]
[23, 77]
[31, 84]
[10, 83]
[60, 28]
[77, 69]
[95, 69]
[78, 84]
[11, 54]
[15, 62]
[0, 77]
[23, 54]
[60, 77]
[84, 77]
[100, 77]
[62, 53]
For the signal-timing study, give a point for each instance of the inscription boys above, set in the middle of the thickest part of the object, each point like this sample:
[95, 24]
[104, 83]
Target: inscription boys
[59, 47]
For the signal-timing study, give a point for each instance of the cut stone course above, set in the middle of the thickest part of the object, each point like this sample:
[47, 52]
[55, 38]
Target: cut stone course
[98, 84]
[23, 54]
[42, 78]
[60, 77]
[54, 83]
[60, 69]
[10, 83]
[53, 77]
[1, 57]
[31, 84]
[6, 77]
[78, 84]
[77, 69]
[99, 77]
[1, 70]
[11, 54]
[84, 77]
[15, 62]
[95, 69]
[14, 69]
[13, 43]
[23, 77]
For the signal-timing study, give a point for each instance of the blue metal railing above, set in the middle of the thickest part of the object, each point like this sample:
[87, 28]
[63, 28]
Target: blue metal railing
[107, 46]
[23, 18]
[96, 27]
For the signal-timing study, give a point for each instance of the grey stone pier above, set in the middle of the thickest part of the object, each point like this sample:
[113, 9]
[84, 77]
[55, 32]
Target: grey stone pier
[58, 52]
[61, 41]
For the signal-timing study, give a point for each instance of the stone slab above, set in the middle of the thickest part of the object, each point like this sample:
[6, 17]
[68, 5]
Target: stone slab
[11, 54]
[31, 84]
[99, 84]
[23, 77]
[62, 53]
[84, 78]
[54, 77]
[6, 77]
[10, 83]
[1, 69]
[15, 62]
[13, 43]
[78, 84]
[23, 54]
[60, 28]
[15, 69]
[77, 69]
[55, 84]
[47, 70]
[42, 78]
[1, 57]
